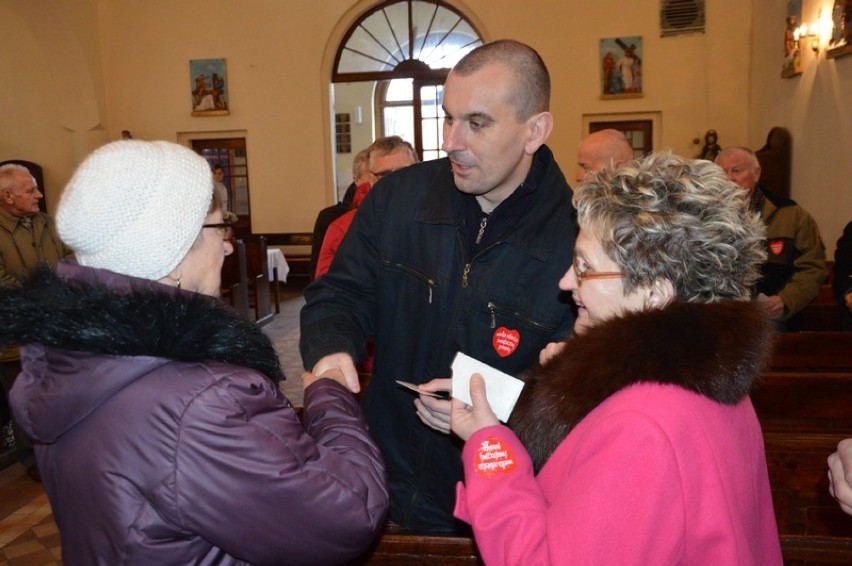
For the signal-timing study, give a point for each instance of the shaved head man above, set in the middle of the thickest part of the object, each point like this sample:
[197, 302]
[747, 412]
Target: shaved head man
[449, 255]
[597, 150]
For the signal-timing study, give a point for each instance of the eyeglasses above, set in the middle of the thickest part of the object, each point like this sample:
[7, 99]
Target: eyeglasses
[224, 229]
[585, 274]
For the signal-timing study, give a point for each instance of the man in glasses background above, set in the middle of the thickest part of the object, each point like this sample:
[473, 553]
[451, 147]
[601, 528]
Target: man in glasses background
[384, 156]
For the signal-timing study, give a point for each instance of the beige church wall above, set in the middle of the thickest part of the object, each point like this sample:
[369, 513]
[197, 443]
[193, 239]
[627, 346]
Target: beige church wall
[105, 66]
[51, 103]
[348, 98]
[273, 53]
[815, 106]
[692, 83]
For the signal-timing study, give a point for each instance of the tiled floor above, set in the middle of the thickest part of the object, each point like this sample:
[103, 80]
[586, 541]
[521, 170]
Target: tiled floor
[28, 535]
[283, 331]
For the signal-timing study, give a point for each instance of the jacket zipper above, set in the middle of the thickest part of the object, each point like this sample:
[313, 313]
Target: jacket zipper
[468, 265]
[493, 308]
[482, 224]
[431, 283]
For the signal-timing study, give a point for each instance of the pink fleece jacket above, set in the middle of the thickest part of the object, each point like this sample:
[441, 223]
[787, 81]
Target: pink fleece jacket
[655, 474]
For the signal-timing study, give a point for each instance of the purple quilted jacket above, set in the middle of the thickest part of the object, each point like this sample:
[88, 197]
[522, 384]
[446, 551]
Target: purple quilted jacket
[171, 457]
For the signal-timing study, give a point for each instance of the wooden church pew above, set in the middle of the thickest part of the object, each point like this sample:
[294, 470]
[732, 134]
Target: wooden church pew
[812, 527]
[235, 280]
[260, 290]
[812, 351]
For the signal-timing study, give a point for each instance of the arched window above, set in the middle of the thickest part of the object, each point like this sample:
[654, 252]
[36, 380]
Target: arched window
[406, 48]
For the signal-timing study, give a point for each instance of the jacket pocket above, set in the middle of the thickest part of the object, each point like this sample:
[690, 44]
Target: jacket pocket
[412, 283]
[506, 337]
[502, 312]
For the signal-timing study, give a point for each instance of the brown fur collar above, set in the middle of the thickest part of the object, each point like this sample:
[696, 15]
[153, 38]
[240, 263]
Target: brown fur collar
[716, 350]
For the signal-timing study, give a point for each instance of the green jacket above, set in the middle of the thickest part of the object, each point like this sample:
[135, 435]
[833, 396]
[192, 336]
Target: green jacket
[21, 250]
[795, 266]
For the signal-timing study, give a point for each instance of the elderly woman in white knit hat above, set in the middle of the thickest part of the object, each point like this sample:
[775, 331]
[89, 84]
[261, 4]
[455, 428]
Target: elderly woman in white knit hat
[160, 432]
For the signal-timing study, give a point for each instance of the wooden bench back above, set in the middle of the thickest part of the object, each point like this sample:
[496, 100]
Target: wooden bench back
[393, 549]
[812, 351]
[297, 249]
[260, 291]
[804, 414]
[235, 280]
[805, 401]
[812, 527]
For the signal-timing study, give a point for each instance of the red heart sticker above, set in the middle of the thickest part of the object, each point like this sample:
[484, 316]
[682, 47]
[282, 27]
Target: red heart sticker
[776, 246]
[493, 457]
[505, 341]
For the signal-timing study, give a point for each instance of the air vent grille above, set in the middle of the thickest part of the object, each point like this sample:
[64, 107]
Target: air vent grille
[681, 16]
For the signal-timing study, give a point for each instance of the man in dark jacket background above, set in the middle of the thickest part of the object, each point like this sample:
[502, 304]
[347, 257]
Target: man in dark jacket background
[360, 175]
[843, 277]
[456, 254]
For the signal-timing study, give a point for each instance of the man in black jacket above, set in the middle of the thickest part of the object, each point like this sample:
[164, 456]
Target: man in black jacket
[455, 254]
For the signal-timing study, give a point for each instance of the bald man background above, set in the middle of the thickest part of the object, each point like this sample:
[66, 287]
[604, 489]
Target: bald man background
[602, 148]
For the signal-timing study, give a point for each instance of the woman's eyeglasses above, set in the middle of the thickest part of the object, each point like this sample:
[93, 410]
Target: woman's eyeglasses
[585, 274]
[224, 229]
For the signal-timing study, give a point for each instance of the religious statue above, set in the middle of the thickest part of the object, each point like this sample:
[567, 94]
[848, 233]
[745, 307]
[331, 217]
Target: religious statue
[711, 149]
[840, 16]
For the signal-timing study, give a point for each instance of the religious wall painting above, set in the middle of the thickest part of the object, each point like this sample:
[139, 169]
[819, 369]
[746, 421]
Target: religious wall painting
[208, 80]
[840, 42]
[792, 64]
[621, 63]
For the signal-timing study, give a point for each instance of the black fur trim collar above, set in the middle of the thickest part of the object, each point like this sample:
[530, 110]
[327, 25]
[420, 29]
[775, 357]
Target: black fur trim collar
[141, 319]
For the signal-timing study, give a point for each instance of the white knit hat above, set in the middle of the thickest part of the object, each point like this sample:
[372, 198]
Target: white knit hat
[135, 207]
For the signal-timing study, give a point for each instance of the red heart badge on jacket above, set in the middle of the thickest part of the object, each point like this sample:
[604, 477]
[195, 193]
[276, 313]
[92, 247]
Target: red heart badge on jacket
[494, 457]
[776, 246]
[505, 341]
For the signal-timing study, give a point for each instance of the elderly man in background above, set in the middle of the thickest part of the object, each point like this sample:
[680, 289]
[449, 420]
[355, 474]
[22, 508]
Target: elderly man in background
[795, 267]
[27, 239]
[384, 156]
[600, 149]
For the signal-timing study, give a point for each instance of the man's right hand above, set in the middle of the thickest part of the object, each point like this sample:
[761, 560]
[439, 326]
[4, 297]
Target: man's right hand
[342, 362]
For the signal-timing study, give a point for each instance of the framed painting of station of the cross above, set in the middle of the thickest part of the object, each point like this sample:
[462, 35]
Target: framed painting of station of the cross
[621, 67]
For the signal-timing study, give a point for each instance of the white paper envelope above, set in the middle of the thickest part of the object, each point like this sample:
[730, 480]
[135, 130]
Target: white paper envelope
[501, 388]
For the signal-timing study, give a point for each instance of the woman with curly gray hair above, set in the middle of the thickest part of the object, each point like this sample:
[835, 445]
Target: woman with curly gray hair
[635, 441]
